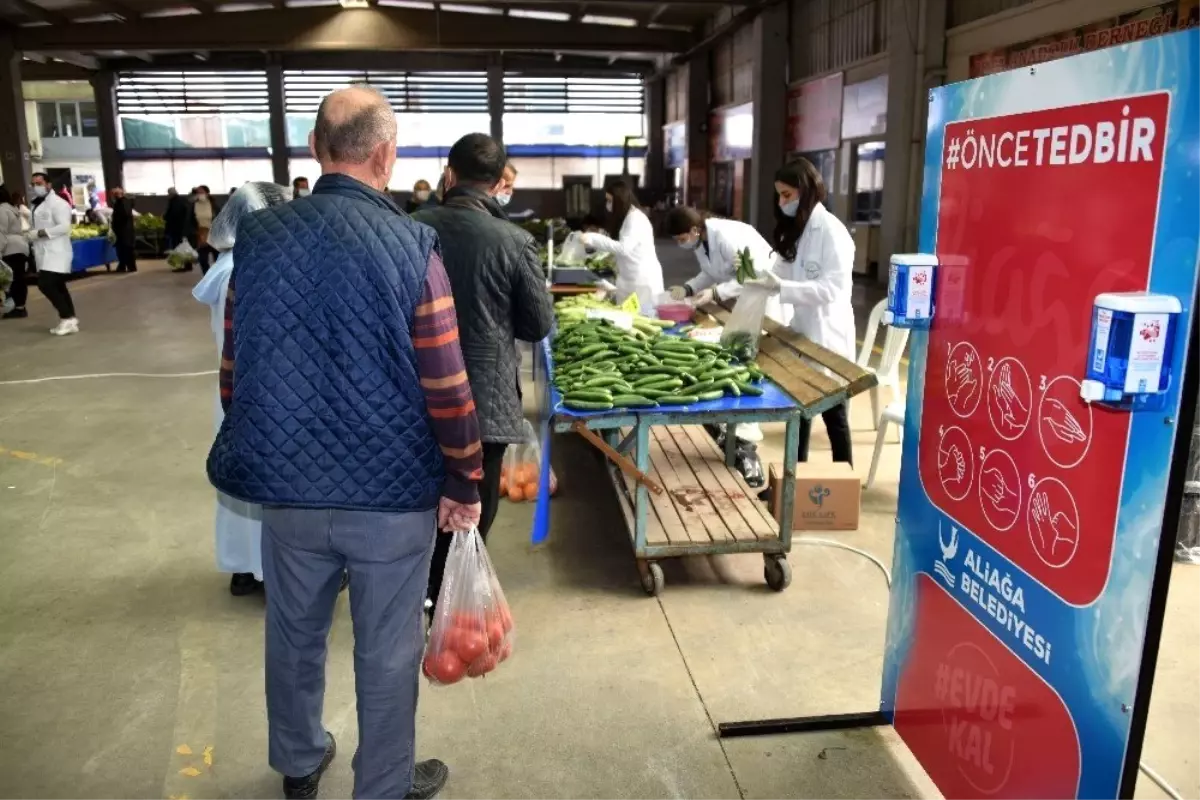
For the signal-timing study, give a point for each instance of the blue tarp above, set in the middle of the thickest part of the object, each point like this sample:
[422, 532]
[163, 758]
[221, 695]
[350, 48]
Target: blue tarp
[94, 252]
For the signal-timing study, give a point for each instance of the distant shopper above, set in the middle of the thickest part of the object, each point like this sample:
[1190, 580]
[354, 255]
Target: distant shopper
[122, 228]
[64, 192]
[631, 239]
[204, 210]
[435, 199]
[300, 187]
[420, 196]
[349, 418]
[238, 523]
[18, 199]
[814, 276]
[175, 220]
[50, 243]
[504, 193]
[14, 249]
[499, 295]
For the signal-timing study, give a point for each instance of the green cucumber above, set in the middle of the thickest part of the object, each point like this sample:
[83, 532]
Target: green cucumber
[678, 399]
[715, 394]
[719, 374]
[653, 394]
[590, 395]
[750, 389]
[667, 383]
[600, 381]
[633, 401]
[587, 350]
[587, 405]
[729, 385]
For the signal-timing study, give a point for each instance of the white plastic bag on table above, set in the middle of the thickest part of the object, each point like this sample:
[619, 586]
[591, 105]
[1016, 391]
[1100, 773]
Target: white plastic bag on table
[571, 252]
[744, 328]
[522, 468]
[472, 629]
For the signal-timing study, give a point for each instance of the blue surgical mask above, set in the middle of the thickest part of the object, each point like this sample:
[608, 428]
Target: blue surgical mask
[303, 192]
[691, 244]
[503, 199]
[791, 209]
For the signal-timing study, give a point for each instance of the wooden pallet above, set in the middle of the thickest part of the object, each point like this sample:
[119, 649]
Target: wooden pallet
[811, 374]
[705, 504]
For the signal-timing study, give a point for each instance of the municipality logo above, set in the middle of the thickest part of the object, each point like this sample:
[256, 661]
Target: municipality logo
[818, 494]
[948, 552]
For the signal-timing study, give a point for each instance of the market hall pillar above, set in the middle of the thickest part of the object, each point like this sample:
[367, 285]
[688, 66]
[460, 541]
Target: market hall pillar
[104, 84]
[281, 162]
[696, 178]
[495, 100]
[770, 112]
[14, 138]
[653, 170]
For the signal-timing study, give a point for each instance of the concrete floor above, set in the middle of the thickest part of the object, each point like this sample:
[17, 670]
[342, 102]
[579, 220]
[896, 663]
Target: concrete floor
[128, 669]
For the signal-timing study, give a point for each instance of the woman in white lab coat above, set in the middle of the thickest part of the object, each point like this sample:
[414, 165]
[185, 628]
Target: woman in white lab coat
[49, 238]
[813, 277]
[631, 240]
[717, 243]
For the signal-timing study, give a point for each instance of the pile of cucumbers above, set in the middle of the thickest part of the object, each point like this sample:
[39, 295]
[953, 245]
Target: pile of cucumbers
[599, 366]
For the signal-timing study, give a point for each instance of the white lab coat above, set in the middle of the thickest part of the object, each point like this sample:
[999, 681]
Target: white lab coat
[638, 270]
[817, 284]
[718, 262]
[238, 523]
[54, 253]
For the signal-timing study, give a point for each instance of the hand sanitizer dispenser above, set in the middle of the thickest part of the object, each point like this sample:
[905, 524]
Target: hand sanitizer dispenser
[1129, 357]
[911, 279]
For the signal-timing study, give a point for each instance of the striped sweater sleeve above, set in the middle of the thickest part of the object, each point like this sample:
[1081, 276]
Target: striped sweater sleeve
[448, 398]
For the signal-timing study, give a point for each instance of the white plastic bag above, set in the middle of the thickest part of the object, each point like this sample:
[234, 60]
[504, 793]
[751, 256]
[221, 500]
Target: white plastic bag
[472, 629]
[744, 328]
[571, 253]
[182, 255]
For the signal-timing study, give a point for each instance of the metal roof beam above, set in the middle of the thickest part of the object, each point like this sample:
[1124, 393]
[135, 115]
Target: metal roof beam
[36, 12]
[327, 28]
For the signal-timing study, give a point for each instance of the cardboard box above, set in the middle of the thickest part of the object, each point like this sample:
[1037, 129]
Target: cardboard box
[828, 496]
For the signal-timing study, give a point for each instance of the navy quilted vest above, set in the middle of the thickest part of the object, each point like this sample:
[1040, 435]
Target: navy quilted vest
[327, 406]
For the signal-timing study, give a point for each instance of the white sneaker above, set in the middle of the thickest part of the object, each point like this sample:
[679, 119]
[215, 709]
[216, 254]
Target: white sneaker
[66, 327]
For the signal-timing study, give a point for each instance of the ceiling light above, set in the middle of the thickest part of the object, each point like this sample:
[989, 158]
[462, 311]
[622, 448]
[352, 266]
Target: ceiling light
[596, 19]
[472, 9]
[184, 11]
[414, 4]
[354, 3]
[529, 13]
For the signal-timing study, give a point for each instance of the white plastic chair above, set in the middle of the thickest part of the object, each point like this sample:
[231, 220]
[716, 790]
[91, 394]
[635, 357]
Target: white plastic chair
[868, 345]
[888, 371]
[893, 414]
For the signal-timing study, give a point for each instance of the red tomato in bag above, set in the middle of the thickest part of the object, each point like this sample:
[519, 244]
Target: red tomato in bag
[482, 665]
[468, 622]
[446, 667]
[495, 633]
[470, 645]
[505, 652]
[506, 618]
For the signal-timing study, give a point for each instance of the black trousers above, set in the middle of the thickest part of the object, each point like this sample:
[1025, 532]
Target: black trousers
[54, 286]
[837, 422]
[489, 500]
[126, 258]
[19, 291]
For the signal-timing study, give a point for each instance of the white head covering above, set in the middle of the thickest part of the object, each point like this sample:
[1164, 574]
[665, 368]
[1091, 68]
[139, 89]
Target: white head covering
[252, 197]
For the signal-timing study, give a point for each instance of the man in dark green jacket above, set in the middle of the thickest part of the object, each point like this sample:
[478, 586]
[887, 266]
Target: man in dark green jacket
[500, 296]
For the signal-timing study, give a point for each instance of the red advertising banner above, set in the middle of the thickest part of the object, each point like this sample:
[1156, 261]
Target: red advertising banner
[1020, 459]
[814, 120]
[1154, 21]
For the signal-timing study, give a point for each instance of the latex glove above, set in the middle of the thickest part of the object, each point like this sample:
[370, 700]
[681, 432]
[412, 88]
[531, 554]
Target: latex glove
[587, 238]
[678, 293]
[605, 286]
[767, 281]
[703, 297]
[456, 516]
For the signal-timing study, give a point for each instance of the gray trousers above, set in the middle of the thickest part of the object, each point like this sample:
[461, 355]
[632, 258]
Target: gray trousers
[387, 557]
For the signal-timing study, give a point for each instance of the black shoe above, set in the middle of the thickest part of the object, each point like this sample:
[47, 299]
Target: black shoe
[243, 583]
[16, 313]
[428, 779]
[749, 464]
[765, 496]
[306, 788]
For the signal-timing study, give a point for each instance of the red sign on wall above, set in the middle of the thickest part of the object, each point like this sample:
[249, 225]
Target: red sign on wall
[1017, 457]
[814, 120]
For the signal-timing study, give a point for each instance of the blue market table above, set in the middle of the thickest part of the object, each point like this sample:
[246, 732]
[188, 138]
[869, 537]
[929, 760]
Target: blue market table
[679, 493]
[94, 252]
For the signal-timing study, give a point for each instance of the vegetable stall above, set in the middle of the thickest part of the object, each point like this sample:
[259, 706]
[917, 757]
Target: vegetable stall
[90, 247]
[641, 391]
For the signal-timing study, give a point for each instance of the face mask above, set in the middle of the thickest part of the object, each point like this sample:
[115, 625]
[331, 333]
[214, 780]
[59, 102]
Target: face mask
[421, 196]
[791, 209]
[503, 199]
[690, 244]
[608, 206]
[303, 192]
[40, 191]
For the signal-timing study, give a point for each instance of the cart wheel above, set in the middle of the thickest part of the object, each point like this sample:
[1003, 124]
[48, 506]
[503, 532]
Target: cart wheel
[652, 579]
[777, 572]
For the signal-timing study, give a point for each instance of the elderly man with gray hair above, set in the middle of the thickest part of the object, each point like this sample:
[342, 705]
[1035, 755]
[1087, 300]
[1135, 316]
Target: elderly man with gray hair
[350, 420]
